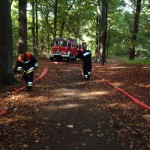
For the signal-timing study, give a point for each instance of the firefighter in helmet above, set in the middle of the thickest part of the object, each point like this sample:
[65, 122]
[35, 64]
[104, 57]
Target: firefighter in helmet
[87, 61]
[26, 64]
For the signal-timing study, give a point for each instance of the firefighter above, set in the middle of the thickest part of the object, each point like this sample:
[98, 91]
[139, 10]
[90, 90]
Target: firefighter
[87, 61]
[26, 64]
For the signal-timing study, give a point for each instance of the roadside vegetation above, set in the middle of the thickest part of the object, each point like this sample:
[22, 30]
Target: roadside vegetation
[117, 28]
[137, 61]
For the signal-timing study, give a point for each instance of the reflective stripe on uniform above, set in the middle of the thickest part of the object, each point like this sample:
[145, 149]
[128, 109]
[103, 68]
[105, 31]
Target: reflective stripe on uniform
[30, 70]
[19, 68]
[87, 53]
[86, 76]
[26, 62]
[89, 73]
[36, 64]
[29, 83]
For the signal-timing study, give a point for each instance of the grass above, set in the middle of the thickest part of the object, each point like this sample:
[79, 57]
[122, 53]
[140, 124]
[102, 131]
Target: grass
[137, 60]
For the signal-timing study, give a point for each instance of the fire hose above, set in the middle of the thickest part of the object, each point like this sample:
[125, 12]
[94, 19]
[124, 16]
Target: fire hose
[135, 100]
[138, 102]
[6, 109]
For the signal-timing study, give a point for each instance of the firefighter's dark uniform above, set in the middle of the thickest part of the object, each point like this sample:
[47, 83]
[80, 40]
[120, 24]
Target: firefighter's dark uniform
[87, 63]
[27, 67]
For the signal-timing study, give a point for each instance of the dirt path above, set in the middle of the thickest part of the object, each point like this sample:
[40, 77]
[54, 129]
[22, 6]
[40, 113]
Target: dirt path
[66, 112]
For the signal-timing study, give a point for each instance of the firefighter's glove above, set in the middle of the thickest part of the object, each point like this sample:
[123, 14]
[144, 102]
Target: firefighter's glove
[19, 76]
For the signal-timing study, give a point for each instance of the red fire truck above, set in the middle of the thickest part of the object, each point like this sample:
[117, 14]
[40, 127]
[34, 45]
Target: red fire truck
[63, 49]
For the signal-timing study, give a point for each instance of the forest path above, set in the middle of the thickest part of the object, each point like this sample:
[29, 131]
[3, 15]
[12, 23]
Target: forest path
[66, 112]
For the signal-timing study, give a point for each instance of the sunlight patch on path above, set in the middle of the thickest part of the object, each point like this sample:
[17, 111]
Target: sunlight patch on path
[66, 92]
[96, 93]
[65, 106]
[71, 106]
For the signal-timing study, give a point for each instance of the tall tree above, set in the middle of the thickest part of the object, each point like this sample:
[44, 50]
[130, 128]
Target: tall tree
[55, 16]
[33, 26]
[6, 48]
[37, 28]
[99, 28]
[104, 29]
[135, 30]
[22, 25]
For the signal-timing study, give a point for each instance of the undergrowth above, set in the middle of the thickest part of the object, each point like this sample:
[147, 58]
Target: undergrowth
[140, 61]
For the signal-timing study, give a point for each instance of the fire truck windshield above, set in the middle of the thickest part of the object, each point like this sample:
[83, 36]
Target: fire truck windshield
[64, 43]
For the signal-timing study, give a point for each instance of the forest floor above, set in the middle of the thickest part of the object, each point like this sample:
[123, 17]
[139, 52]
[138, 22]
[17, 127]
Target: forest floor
[66, 112]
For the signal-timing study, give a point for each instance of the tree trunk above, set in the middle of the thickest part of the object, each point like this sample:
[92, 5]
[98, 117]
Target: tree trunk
[48, 42]
[42, 44]
[37, 29]
[135, 30]
[99, 28]
[55, 16]
[62, 28]
[104, 29]
[22, 26]
[6, 47]
[33, 27]
[97, 35]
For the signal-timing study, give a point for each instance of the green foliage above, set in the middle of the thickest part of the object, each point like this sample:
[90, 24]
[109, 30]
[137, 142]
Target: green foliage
[118, 34]
[77, 18]
[137, 61]
[144, 34]
[14, 16]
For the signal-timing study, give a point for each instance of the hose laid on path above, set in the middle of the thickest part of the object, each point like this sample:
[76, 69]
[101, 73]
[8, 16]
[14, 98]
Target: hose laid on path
[134, 99]
[6, 109]
[138, 102]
